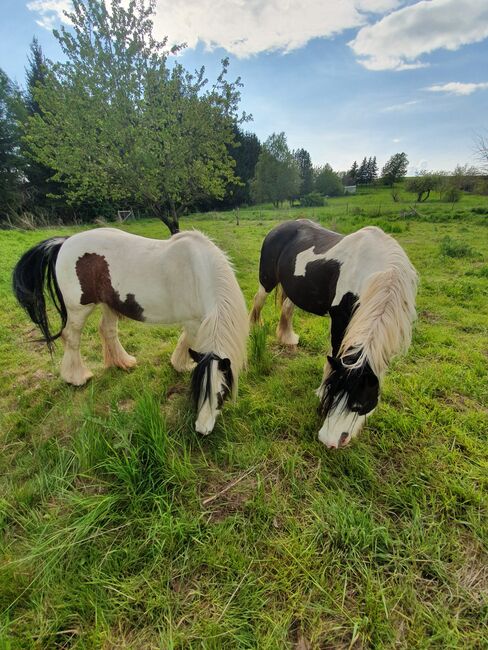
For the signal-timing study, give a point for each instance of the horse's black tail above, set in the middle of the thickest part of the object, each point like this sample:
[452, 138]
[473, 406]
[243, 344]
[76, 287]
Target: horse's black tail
[33, 276]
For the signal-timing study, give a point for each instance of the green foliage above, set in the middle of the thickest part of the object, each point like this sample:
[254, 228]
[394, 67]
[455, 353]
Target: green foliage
[480, 210]
[305, 168]
[327, 182]
[117, 122]
[259, 352]
[452, 248]
[312, 199]
[245, 152]
[394, 169]
[11, 162]
[421, 185]
[277, 175]
[452, 194]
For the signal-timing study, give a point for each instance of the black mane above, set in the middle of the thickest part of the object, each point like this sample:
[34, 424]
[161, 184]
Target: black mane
[360, 385]
[202, 372]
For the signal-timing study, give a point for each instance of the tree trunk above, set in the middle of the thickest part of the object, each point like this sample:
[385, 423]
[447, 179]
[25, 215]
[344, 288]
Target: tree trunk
[170, 219]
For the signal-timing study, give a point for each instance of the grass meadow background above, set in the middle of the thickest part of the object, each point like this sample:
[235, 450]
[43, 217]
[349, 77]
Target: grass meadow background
[123, 528]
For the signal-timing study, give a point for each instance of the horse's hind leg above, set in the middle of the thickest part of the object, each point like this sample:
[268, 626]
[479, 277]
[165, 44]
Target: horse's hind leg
[180, 359]
[259, 300]
[113, 352]
[73, 370]
[284, 331]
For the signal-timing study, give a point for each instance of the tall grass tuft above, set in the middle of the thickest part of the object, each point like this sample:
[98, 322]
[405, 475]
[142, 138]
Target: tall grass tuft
[260, 355]
[451, 248]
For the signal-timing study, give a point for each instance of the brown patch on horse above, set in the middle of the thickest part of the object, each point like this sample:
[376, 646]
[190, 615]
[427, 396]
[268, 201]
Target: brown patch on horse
[96, 286]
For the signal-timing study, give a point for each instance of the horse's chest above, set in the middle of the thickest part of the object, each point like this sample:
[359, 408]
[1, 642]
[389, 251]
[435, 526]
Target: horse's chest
[314, 290]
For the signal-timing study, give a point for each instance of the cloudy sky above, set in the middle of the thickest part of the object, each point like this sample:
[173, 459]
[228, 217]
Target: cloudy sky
[343, 78]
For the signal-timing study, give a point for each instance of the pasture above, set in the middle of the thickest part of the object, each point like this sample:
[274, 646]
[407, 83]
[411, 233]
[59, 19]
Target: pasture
[123, 528]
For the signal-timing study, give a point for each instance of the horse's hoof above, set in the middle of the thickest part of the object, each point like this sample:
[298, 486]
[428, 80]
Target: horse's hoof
[78, 379]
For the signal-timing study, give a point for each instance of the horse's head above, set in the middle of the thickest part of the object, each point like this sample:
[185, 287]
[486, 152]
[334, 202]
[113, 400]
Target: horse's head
[211, 383]
[349, 395]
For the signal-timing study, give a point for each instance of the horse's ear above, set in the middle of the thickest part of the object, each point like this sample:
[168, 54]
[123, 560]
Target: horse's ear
[335, 364]
[224, 364]
[196, 356]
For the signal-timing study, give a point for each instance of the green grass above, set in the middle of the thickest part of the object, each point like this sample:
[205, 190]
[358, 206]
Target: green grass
[122, 528]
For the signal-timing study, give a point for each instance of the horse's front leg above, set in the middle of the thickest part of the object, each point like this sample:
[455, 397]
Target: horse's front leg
[320, 392]
[180, 359]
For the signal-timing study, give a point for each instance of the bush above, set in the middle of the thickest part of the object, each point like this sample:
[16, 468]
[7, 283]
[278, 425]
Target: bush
[452, 194]
[451, 248]
[479, 210]
[312, 200]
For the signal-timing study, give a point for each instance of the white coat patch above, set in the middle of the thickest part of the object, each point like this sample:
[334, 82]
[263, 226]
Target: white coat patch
[304, 258]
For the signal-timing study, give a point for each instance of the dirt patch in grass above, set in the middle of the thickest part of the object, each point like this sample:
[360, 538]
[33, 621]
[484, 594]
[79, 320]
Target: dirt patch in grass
[227, 498]
[429, 316]
[472, 575]
[126, 405]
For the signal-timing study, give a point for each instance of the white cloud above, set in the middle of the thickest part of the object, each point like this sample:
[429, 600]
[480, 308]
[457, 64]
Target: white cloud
[246, 27]
[393, 34]
[398, 40]
[400, 107]
[458, 88]
[50, 11]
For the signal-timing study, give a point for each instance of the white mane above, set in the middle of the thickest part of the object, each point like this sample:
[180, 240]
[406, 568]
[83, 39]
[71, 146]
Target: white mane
[381, 326]
[225, 328]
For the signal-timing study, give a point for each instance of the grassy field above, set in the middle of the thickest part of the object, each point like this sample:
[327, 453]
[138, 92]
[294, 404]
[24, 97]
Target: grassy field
[122, 528]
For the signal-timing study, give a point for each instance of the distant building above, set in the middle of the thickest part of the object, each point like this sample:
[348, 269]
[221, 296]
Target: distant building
[349, 189]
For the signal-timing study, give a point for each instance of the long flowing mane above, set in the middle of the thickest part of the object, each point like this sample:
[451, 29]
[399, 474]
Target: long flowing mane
[225, 329]
[381, 325]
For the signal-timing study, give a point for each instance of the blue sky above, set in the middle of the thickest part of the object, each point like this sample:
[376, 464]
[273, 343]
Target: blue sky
[344, 78]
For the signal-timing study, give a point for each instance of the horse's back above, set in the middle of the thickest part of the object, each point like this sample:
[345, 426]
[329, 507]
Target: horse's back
[110, 266]
[285, 241]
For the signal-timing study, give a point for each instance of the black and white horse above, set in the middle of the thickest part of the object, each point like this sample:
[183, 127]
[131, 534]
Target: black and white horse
[367, 285]
[184, 280]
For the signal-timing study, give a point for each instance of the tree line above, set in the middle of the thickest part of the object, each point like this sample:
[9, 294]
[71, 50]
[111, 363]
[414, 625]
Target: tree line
[120, 124]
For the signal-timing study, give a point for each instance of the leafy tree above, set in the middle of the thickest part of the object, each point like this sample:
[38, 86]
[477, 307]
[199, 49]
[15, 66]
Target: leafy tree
[277, 175]
[327, 182]
[118, 122]
[306, 171]
[394, 169]
[11, 161]
[421, 185]
[41, 189]
[245, 152]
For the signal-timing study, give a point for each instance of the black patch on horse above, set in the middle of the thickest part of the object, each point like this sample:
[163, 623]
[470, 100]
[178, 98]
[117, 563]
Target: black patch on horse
[202, 373]
[360, 385]
[341, 315]
[315, 291]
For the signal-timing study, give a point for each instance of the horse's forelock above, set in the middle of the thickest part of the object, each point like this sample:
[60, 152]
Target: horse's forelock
[342, 383]
[202, 374]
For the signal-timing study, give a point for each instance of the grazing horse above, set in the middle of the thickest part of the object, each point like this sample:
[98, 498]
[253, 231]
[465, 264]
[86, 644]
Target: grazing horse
[367, 285]
[183, 280]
